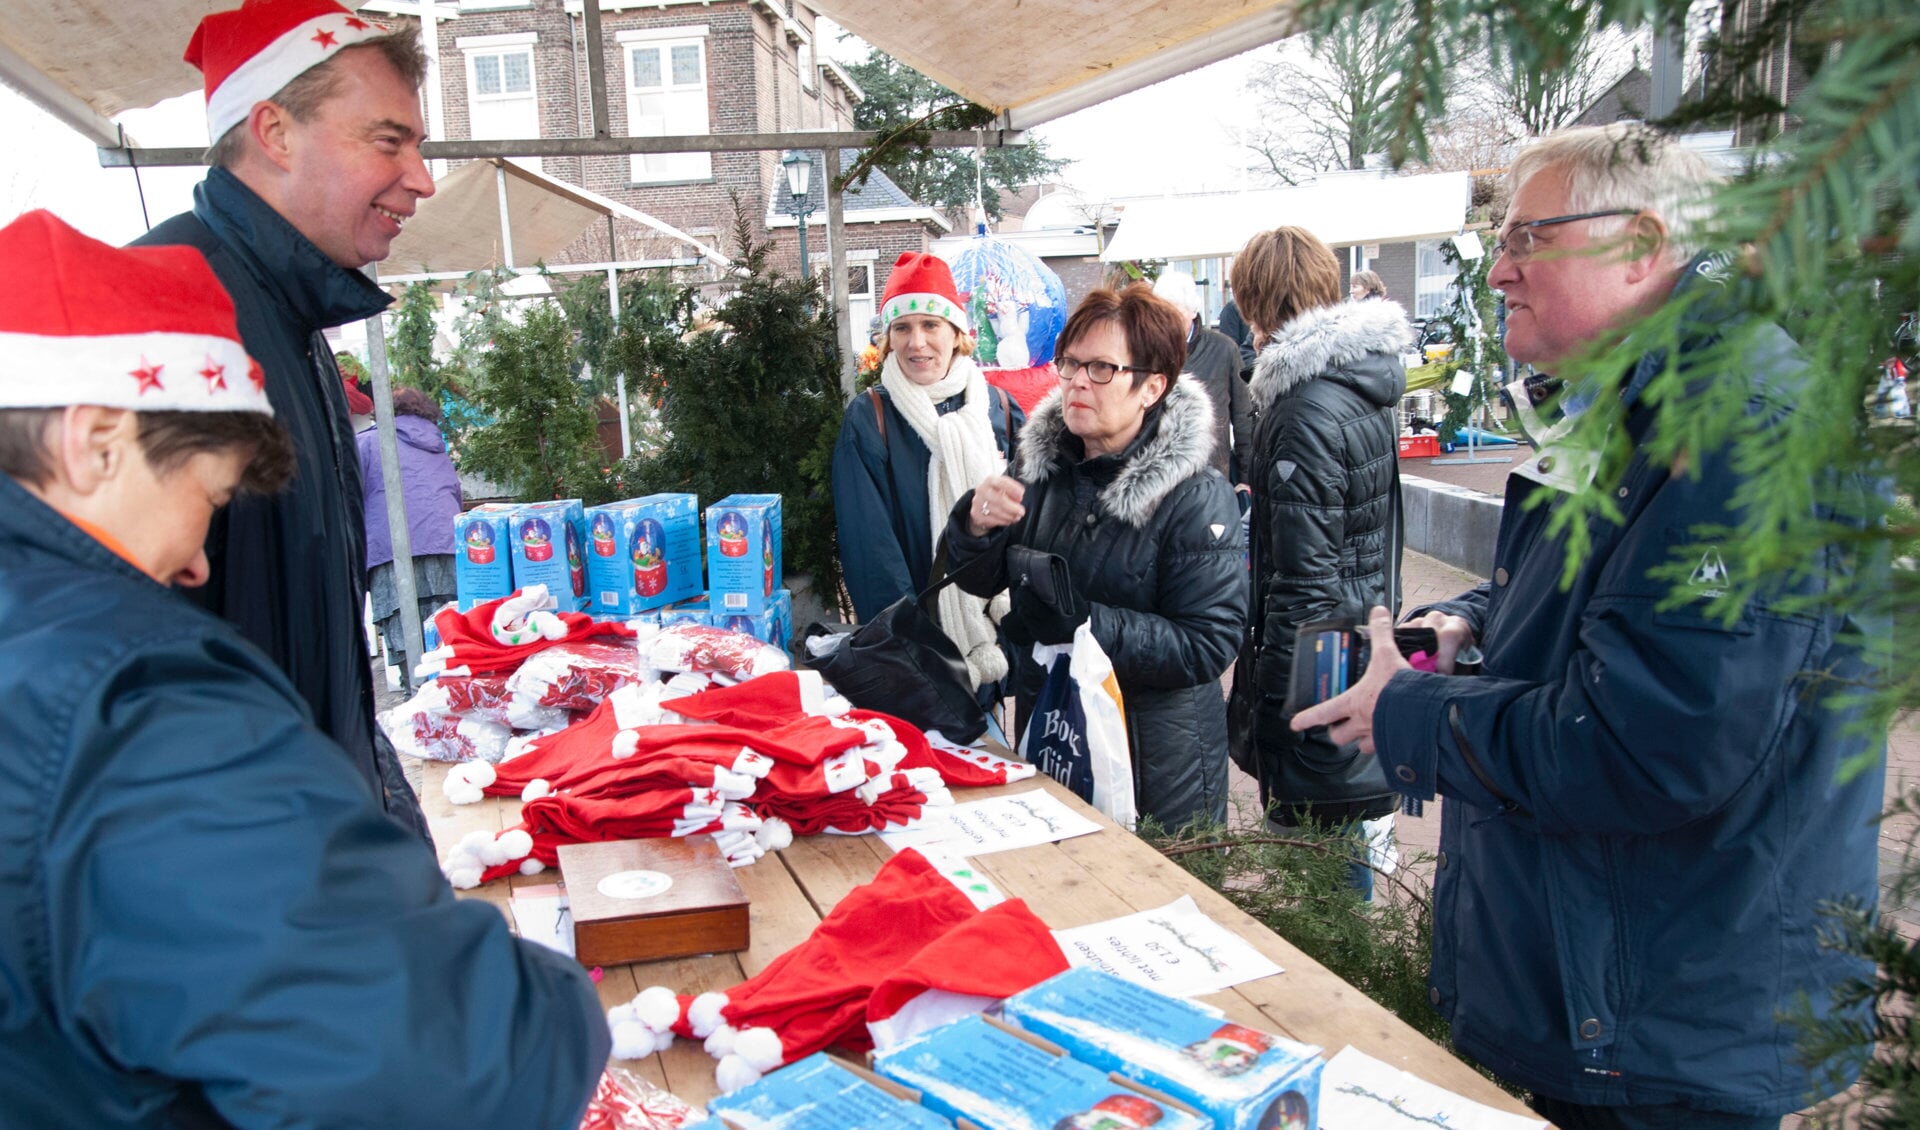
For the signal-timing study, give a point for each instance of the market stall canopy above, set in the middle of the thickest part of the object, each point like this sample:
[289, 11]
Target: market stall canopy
[1034, 60]
[1342, 210]
[459, 227]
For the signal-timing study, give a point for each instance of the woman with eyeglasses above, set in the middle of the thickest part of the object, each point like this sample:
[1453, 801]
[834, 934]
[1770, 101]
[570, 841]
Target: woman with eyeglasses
[907, 449]
[1113, 474]
[1326, 529]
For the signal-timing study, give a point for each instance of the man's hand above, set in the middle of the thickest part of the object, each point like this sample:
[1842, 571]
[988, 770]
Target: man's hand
[1349, 717]
[1455, 636]
[996, 503]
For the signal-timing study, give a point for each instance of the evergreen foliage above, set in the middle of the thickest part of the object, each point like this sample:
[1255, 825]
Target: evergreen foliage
[752, 406]
[541, 437]
[410, 359]
[906, 105]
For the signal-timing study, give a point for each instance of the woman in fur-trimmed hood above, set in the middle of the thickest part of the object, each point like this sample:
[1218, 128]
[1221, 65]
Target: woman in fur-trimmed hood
[1326, 535]
[1113, 475]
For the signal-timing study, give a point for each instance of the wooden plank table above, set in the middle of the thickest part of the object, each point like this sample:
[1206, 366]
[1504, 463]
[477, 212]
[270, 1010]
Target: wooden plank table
[1075, 882]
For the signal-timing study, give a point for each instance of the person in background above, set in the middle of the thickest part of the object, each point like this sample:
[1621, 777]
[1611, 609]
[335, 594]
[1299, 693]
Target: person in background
[1326, 527]
[430, 490]
[315, 118]
[1214, 361]
[1366, 284]
[911, 446]
[1113, 475]
[359, 406]
[1237, 331]
[1647, 802]
[210, 919]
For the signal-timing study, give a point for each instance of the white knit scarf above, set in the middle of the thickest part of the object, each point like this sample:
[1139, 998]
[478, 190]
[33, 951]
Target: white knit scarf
[963, 454]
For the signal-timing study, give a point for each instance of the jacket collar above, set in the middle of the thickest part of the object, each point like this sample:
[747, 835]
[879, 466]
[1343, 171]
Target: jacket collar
[25, 518]
[1175, 443]
[1328, 338]
[284, 262]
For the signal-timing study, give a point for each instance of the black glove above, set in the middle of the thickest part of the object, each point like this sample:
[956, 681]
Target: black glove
[1043, 597]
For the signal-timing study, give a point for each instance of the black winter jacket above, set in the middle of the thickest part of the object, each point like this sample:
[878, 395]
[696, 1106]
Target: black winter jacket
[1325, 542]
[1213, 359]
[289, 569]
[1151, 537]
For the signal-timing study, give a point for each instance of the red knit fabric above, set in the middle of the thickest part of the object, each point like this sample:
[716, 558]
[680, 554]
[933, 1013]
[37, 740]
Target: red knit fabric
[769, 700]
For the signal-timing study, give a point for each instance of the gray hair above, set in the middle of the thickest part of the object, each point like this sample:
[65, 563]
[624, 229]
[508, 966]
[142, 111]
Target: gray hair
[1626, 165]
[1178, 290]
[306, 91]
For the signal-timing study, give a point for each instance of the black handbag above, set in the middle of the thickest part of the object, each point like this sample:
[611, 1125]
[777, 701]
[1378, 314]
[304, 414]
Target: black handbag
[902, 663]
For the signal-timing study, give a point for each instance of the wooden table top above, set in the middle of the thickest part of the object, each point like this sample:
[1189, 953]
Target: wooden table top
[1074, 882]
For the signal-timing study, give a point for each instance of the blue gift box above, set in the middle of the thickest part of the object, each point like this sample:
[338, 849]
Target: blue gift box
[550, 548]
[643, 553]
[743, 553]
[483, 556]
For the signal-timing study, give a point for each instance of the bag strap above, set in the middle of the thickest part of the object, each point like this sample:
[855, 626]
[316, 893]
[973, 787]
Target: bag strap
[1006, 417]
[880, 420]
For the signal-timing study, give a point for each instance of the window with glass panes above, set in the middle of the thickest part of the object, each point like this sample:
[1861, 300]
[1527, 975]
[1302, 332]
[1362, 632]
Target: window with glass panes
[1435, 280]
[501, 104]
[667, 96]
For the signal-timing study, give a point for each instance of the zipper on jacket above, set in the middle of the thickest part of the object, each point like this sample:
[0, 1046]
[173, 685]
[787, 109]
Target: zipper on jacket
[1507, 805]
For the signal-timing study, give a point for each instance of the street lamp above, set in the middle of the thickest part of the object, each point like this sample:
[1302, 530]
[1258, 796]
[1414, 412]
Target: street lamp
[799, 167]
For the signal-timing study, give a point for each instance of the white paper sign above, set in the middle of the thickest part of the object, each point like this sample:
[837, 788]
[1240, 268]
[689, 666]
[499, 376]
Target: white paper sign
[960, 871]
[1176, 950]
[999, 823]
[544, 919]
[1358, 1092]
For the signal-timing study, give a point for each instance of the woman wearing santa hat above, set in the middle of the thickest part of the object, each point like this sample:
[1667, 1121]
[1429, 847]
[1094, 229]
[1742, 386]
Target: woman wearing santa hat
[1114, 476]
[908, 449]
[210, 919]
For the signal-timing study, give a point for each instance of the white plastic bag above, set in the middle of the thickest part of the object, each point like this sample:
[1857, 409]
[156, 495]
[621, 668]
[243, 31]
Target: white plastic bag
[1077, 732]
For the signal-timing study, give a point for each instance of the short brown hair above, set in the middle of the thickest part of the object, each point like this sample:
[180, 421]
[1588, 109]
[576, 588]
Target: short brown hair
[413, 402]
[167, 439]
[1281, 274]
[307, 91]
[1371, 283]
[1156, 333]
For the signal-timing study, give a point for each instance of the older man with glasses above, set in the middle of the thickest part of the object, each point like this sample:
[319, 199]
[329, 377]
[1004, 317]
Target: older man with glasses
[1644, 806]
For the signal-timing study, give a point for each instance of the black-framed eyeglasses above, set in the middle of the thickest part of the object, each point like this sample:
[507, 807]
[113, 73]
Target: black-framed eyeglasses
[1099, 372]
[1518, 246]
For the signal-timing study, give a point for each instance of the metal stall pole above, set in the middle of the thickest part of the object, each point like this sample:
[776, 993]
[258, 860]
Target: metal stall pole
[396, 494]
[506, 221]
[837, 256]
[620, 379]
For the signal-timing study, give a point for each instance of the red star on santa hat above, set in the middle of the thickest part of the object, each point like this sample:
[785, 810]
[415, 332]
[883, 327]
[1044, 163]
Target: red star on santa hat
[257, 375]
[323, 38]
[148, 376]
[216, 375]
[356, 23]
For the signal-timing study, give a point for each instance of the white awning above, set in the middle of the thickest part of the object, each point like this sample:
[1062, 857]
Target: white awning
[458, 228]
[1035, 60]
[1342, 210]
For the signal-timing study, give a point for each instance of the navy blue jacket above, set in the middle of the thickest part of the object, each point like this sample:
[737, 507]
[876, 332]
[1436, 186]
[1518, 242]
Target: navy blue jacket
[289, 570]
[880, 496]
[1644, 809]
[205, 917]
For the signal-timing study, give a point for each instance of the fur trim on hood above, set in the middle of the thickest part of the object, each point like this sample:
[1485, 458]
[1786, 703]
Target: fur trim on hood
[1181, 448]
[1328, 338]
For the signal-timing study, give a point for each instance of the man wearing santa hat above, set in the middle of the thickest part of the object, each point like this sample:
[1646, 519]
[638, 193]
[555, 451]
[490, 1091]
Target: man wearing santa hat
[208, 919]
[314, 113]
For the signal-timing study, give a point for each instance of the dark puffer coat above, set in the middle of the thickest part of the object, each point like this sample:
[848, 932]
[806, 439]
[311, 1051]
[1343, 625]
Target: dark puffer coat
[1326, 543]
[1151, 537]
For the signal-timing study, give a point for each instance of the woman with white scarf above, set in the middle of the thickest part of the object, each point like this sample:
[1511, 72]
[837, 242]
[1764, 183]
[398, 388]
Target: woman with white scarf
[909, 449]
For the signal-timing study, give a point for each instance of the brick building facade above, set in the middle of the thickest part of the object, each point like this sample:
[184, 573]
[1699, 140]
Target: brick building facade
[518, 68]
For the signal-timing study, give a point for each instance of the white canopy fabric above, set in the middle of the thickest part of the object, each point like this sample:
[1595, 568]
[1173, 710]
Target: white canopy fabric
[458, 228]
[1033, 60]
[1342, 210]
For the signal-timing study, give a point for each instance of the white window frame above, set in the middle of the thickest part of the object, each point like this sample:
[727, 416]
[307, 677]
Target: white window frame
[803, 56]
[667, 168]
[499, 47]
[492, 5]
[1432, 293]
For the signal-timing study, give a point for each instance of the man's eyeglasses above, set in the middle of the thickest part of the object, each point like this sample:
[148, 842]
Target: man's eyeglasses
[1099, 372]
[1518, 246]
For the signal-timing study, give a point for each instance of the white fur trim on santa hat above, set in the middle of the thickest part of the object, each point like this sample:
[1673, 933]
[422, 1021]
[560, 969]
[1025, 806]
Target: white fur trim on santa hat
[147, 372]
[774, 834]
[531, 866]
[939, 305]
[720, 1043]
[813, 692]
[658, 1007]
[516, 842]
[733, 1073]
[752, 763]
[536, 788]
[760, 1048]
[733, 786]
[703, 1015]
[289, 56]
[632, 1040]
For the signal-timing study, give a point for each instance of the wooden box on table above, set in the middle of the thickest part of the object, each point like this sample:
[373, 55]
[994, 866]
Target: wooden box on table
[645, 900]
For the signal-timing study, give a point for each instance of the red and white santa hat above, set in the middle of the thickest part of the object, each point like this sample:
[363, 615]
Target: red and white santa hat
[923, 284]
[248, 54]
[146, 328]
